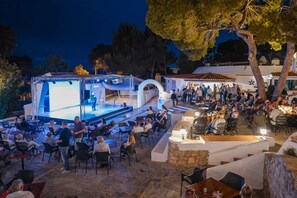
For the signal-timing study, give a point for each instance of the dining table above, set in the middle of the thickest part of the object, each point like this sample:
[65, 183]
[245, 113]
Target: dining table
[205, 188]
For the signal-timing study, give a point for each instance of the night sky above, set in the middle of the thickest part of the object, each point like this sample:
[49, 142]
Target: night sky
[70, 28]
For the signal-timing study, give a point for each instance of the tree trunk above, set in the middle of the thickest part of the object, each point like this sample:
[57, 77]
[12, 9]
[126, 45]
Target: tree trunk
[255, 68]
[153, 69]
[285, 71]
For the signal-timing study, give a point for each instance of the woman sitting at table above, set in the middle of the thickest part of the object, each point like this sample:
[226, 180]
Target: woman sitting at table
[5, 138]
[101, 146]
[50, 140]
[212, 127]
[31, 145]
[52, 127]
[246, 191]
[129, 142]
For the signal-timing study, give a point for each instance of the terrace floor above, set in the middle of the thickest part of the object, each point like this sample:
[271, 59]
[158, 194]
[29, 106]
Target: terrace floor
[142, 179]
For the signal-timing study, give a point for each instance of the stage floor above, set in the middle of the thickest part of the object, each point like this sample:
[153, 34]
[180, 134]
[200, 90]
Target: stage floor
[87, 113]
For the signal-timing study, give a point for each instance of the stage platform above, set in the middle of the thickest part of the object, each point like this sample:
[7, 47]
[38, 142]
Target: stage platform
[105, 111]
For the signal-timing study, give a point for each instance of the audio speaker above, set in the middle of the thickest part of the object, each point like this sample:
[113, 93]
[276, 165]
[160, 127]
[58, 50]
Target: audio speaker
[135, 87]
[87, 94]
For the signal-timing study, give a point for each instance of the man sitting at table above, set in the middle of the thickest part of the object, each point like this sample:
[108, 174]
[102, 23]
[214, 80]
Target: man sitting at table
[50, 140]
[101, 146]
[137, 128]
[160, 122]
[212, 127]
[17, 190]
[95, 132]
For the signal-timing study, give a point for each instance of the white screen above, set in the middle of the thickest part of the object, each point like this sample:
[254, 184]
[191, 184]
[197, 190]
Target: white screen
[62, 95]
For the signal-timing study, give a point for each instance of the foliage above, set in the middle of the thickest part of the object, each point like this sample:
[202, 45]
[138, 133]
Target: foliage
[10, 82]
[290, 151]
[79, 69]
[53, 63]
[232, 51]
[194, 25]
[185, 65]
[24, 63]
[133, 52]
[7, 41]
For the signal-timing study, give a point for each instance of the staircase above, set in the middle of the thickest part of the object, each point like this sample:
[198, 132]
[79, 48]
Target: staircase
[177, 108]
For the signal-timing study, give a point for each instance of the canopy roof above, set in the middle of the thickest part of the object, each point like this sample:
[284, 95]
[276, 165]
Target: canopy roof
[277, 74]
[204, 77]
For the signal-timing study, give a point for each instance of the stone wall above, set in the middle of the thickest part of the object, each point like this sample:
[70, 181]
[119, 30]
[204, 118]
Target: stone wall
[186, 159]
[280, 176]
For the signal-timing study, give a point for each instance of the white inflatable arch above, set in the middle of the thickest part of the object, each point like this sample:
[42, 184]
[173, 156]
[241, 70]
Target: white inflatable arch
[140, 93]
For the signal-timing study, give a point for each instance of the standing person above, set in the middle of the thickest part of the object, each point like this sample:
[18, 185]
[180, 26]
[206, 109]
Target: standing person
[94, 103]
[78, 131]
[173, 98]
[64, 143]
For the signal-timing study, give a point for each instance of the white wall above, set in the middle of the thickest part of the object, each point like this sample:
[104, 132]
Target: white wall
[251, 168]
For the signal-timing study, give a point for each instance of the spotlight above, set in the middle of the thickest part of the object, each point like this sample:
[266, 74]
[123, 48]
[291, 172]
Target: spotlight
[70, 82]
[98, 80]
[54, 82]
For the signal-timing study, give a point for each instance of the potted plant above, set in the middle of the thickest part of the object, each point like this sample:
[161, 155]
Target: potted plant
[290, 151]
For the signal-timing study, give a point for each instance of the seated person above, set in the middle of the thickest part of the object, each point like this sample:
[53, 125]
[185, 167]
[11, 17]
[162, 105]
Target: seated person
[273, 114]
[31, 145]
[101, 146]
[95, 132]
[130, 141]
[25, 125]
[137, 128]
[212, 105]
[246, 191]
[17, 190]
[160, 122]
[5, 138]
[190, 193]
[150, 113]
[213, 126]
[52, 127]
[50, 140]
[148, 125]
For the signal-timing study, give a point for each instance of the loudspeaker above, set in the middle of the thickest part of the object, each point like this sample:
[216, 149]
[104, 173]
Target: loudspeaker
[135, 87]
[87, 94]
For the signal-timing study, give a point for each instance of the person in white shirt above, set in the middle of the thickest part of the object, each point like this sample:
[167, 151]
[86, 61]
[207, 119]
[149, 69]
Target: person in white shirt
[148, 125]
[16, 190]
[273, 114]
[137, 128]
[101, 146]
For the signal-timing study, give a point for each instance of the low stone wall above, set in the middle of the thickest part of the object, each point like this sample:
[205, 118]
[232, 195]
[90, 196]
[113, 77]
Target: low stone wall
[280, 176]
[186, 159]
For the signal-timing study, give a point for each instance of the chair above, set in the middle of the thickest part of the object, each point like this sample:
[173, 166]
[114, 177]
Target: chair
[233, 180]
[197, 176]
[280, 122]
[232, 127]
[6, 147]
[6, 125]
[49, 150]
[147, 135]
[137, 137]
[82, 155]
[26, 175]
[129, 151]
[102, 158]
[199, 125]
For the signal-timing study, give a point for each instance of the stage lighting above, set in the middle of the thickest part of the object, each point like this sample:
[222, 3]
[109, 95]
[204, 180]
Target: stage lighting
[98, 80]
[54, 82]
[106, 80]
[70, 82]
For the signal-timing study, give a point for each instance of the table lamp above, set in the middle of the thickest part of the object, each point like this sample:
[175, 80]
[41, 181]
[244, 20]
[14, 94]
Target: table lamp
[197, 114]
[263, 132]
[183, 132]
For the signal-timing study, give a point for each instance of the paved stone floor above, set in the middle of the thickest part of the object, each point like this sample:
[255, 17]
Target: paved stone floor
[141, 179]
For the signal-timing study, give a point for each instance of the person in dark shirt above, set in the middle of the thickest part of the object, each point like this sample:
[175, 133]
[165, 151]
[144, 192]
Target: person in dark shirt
[64, 143]
[78, 131]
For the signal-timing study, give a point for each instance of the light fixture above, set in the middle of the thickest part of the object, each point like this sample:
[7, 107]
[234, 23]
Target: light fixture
[54, 82]
[263, 132]
[183, 132]
[70, 82]
[197, 114]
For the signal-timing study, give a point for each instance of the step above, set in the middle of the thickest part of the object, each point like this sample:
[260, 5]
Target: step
[224, 162]
[211, 165]
[249, 154]
[237, 158]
